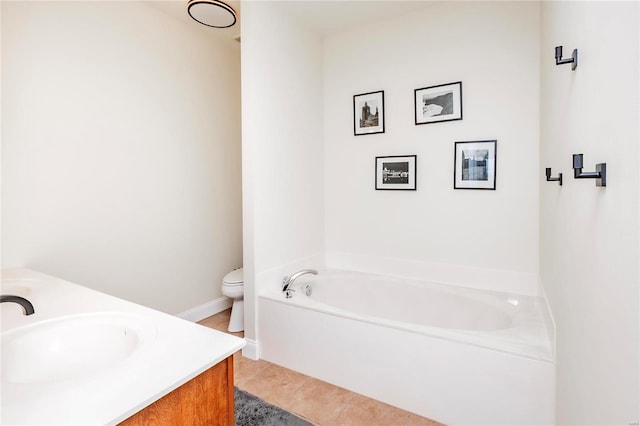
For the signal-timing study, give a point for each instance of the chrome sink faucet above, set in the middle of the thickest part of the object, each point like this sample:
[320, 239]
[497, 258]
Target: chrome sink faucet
[287, 281]
[27, 307]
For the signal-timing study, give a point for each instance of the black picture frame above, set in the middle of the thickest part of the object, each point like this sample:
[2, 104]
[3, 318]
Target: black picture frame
[396, 172]
[437, 104]
[365, 120]
[475, 164]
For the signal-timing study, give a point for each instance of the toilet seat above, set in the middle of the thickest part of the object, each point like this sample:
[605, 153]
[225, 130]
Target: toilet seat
[234, 278]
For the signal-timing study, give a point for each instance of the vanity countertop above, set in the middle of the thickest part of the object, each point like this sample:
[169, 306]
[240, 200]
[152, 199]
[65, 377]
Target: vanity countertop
[170, 352]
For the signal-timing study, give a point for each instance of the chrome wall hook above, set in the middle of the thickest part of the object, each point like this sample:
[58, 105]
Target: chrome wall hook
[553, 179]
[600, 175]
[573, 60]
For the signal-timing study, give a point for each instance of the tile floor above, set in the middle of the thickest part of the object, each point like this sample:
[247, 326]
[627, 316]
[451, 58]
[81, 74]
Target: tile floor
[318, 402]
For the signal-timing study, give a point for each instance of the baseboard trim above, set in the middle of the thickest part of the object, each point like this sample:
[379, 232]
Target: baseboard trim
[251, 350]
[206, 310]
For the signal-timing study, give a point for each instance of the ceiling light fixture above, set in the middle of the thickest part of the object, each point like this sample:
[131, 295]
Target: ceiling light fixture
[212, 13]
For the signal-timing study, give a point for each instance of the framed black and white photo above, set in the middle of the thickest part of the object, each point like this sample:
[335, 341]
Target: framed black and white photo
[396, 172]
[438, 103]
[368, 113]
[475, 165]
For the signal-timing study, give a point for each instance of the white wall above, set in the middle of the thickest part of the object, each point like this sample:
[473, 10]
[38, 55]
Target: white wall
[589, 235]
[282, 145]
[121, 150]
[493, 48]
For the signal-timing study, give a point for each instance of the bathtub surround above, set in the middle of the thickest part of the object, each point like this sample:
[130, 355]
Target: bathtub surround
[319, 203]
[121, 150]
[493, 49]
[307, 207]
[588, 235]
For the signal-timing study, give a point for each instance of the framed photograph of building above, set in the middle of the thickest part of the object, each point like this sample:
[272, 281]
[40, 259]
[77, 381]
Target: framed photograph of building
[475, 165]
[368, 113]
[396, 172]
[438, 103]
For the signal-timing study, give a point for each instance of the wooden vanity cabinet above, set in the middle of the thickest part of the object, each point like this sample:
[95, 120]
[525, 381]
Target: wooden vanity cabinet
[207, 399]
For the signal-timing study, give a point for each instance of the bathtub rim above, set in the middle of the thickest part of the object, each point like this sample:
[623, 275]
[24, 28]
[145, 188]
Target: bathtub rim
[455, 335]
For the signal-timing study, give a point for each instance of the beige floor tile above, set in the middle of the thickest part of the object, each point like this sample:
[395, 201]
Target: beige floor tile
[319, 402]
[363, 411]
[245, 369]
[416, 420]
[219, 321]
[275, 384]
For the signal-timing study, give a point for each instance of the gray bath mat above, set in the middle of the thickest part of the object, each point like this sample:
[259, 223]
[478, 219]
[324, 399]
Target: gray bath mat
[252, 411]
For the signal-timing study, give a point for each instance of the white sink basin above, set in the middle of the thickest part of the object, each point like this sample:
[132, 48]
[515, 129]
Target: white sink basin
[72, 347]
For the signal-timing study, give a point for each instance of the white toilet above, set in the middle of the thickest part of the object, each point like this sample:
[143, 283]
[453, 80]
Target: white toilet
[233, 288]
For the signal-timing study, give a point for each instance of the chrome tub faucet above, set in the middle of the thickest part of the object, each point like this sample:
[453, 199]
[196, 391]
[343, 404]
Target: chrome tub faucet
[27, 307]
[287, 281]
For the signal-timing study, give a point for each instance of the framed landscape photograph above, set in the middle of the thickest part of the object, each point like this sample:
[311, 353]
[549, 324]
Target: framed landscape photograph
[368, 113]
[396, 172]
[438, 103]
[475, 165]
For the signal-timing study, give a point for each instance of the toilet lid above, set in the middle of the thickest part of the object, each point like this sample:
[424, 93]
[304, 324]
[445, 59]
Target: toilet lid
[234, 277]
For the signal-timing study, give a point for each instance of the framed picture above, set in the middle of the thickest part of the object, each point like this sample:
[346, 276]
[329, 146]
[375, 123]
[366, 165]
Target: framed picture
[438, 103]
[368, 113]
[396, 172]
[475, 165]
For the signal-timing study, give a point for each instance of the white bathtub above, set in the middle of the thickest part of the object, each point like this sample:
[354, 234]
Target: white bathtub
[456, 355]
